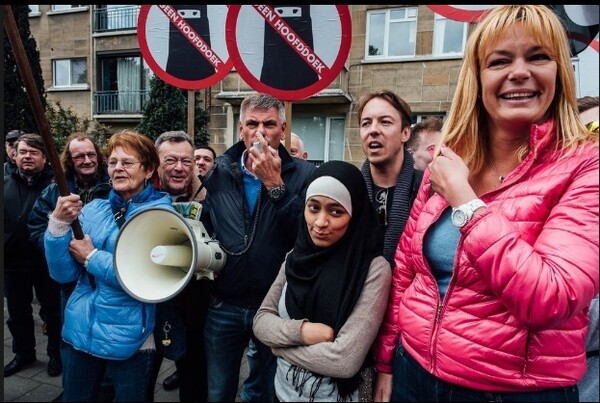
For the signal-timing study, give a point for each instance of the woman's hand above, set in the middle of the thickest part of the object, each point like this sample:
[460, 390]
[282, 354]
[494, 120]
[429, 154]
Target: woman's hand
[67, 208]
[80, 248]
[450, 177]
[383, 387]
[313, 333]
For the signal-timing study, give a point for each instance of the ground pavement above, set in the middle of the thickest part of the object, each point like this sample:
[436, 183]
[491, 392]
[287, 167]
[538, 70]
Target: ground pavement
[33, 384]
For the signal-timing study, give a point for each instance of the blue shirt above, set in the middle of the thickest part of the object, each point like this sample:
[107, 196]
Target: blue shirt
[251, 184]
[439, 248]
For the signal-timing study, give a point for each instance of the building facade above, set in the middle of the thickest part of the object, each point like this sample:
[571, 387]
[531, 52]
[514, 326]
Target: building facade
[91, 62]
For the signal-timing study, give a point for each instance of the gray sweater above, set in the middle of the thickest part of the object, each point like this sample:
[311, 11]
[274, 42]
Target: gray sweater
[340, 358]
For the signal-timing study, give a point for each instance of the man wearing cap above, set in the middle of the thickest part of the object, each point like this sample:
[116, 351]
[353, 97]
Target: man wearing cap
[9, 145]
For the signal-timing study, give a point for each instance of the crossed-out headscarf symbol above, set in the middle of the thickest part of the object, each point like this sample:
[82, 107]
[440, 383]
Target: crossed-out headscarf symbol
[185, 44]
[288, 51]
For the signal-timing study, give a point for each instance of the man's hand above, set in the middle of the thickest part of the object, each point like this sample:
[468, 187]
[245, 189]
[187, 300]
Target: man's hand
[266, 165]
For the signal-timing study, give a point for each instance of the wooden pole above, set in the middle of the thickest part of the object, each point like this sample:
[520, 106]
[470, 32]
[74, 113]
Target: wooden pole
[288, 126]
[191, 113]
[12, 31]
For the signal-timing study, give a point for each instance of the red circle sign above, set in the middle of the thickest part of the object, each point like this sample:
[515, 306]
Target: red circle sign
[290, 52]
[185, 45]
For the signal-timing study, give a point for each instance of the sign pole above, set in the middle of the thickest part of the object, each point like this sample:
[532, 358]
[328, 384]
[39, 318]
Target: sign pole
[288, 126]
[191, 113]
[38, 110]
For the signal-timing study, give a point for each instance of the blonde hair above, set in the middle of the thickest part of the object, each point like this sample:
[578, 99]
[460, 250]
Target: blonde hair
[465, 129]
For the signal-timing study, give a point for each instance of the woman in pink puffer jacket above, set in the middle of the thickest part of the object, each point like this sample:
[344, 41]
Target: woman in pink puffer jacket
[498, 262]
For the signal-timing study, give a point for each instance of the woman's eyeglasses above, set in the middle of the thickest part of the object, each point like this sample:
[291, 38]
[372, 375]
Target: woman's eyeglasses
[126, 164]
[81, 157]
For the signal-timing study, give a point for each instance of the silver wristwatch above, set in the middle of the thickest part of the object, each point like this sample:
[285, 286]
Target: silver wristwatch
[462, 214]
[276, 192]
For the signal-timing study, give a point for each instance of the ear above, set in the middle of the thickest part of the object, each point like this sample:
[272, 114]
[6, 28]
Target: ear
[405, 133]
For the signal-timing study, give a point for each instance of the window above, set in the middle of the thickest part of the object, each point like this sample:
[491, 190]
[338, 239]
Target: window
[391, 33]
[66, 7]
[422, 116]
[123, 84]
[449, 36]
[323, 136]
[69, 72]
[34, 10]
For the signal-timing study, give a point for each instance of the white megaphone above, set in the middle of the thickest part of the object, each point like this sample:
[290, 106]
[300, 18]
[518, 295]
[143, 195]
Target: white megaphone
[158, 251]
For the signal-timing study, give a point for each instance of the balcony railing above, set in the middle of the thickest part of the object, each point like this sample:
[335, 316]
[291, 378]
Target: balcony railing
[120, 102]
[115, 18]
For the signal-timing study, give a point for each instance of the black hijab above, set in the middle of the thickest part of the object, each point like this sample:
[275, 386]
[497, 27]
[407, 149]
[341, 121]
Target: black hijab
[323, 284]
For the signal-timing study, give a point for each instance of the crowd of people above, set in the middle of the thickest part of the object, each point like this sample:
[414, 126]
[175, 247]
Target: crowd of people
[458, 262]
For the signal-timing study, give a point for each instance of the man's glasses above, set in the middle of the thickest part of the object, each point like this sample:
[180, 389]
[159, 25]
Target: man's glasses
[186, 162]
[126, 164]
[34, 153]
[81, 157]
[593, 126]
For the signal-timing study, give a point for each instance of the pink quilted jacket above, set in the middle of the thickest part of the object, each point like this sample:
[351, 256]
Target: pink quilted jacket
[515, 314]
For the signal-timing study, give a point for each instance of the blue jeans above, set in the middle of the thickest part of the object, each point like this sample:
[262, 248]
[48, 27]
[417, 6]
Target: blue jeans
[412, 383]
[251, 392]
[227, 332]
[83, 374]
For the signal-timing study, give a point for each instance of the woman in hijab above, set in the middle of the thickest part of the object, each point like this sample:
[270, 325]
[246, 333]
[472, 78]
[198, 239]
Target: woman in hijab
[323, 311]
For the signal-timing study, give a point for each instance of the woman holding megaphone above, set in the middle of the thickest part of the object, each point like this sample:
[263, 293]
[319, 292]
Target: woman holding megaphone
[104, 327]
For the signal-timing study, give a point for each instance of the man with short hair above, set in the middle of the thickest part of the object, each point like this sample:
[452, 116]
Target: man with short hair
[25, 267]
[255, 196]
[392, 182]
[423, 138]
[205, 158]
[297, 147]
[9, 145]
[176, 176]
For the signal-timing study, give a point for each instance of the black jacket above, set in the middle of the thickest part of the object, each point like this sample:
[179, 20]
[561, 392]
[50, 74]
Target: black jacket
[46, 203]
[249, 271]
[20, 254]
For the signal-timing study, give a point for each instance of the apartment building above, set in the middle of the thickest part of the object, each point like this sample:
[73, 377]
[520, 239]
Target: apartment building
[91, 61]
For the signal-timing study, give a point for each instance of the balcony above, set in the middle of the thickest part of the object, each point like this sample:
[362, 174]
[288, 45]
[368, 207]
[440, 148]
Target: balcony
[119, 102]
[115, 18]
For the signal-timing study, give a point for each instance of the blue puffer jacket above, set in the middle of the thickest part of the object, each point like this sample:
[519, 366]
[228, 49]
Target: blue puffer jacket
[105, 322]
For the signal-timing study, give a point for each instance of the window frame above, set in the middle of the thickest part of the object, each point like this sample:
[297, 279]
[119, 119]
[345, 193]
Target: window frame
[439, 36]
[411, 16]
[70, 84]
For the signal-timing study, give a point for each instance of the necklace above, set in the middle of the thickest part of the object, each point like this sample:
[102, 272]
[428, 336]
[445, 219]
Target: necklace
[500, 177]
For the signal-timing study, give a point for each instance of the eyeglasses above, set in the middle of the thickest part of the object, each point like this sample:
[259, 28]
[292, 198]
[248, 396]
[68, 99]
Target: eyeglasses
[34, 153]
[81, 157]
[593, 126]
[186, 162]
[126, 164]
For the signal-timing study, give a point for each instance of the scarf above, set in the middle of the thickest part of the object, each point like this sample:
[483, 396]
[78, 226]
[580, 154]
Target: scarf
[323, 284]
[401, 204]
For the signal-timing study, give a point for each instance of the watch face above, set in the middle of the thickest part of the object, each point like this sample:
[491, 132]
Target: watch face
[459, 218]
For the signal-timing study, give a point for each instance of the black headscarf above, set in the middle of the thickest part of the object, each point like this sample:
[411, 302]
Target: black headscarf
[323, 284]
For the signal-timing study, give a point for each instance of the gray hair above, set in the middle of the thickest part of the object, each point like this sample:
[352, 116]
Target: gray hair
[177, 136]
[262, 102]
